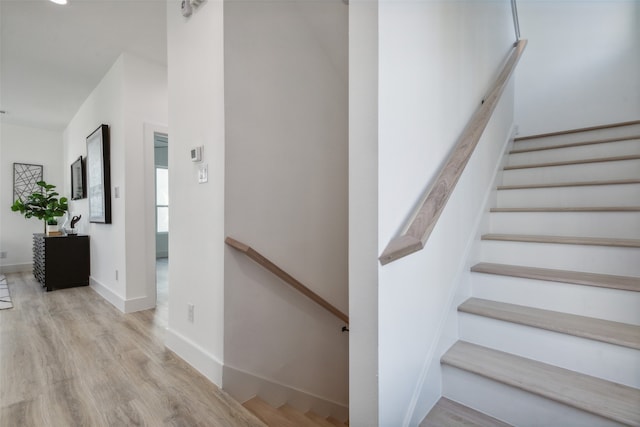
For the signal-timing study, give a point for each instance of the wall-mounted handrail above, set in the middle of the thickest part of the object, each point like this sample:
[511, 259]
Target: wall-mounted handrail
[286, 277]
[425, 217]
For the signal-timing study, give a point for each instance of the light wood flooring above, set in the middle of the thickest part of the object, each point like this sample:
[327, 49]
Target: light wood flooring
[69, 358]
[162, 289]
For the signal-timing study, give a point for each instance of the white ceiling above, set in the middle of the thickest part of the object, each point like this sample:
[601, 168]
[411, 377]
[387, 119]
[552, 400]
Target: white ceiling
[51, 56]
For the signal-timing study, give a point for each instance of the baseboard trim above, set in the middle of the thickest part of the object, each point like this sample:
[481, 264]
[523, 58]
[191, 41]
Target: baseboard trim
[243, 386]
[116, 300]
[122, 304]
[196, 356]
[139, 304]
[16, 268]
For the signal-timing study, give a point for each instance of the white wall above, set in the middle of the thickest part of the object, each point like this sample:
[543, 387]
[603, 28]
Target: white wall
[437, 60]
[19, 144]
[132, 93]
[363, 214]
[286, 191]
[196, 118]
[582, 66]
[103, 106]
[146, 102]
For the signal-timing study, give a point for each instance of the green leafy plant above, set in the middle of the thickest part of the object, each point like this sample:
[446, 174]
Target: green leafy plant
[44, 204]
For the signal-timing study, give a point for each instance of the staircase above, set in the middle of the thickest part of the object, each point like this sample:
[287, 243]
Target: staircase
[287, 416]
[551, 334]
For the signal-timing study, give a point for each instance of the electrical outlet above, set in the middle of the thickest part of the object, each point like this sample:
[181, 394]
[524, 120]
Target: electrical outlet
[3, 255]
[190, 308]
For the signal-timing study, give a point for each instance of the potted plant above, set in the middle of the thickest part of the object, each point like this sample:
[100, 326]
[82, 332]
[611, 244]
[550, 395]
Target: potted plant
[44, 205]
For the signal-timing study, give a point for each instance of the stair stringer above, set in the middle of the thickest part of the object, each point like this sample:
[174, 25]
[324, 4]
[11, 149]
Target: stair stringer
[429, 386]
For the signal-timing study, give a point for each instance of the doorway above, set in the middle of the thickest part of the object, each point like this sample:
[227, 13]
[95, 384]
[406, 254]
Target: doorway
[161, 174]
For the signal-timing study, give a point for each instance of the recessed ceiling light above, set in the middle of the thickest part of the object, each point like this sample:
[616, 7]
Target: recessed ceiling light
[59, 1]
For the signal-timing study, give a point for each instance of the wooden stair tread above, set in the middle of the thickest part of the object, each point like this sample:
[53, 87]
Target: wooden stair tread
[568, 240]
[297, 417]
[574, 162]
[267, 413]
[610, 400]
[574, 144]
[569, 184]
[571, 209]
[578, 130]
[575, 277]
[318, 419]
[617, 333]
[447, 413]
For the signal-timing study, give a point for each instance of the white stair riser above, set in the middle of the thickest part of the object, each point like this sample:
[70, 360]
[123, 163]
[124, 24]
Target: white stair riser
[511, 405]
[598, 359]
[609, 149]
[562, 197]
[620, 132]
[592, 301]
[623, 225]
[625, 169]
[593, 259]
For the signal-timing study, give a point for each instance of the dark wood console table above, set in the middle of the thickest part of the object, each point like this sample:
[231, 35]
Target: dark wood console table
[61, 261]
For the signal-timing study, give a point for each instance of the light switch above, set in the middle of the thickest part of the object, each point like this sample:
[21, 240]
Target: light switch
[203, 173]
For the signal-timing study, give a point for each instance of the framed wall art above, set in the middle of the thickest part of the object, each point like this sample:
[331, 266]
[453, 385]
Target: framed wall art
[99, 176]
[78, 189]
[25, 178]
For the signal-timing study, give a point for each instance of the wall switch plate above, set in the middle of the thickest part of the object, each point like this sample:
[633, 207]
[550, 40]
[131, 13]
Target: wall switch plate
[116, 192]
[3, 255]
[203, 174]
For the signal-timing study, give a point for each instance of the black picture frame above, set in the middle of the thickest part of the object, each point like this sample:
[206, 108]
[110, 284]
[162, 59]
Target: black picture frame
[78, 187]
[99, 175]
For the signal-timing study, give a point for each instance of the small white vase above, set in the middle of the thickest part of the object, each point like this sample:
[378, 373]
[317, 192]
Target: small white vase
[52, 229]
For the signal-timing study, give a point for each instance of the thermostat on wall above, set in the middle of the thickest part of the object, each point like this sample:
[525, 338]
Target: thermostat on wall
[196, 154]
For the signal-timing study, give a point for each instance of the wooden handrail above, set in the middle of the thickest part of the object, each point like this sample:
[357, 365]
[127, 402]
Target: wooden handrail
[426, 216]
[263, 261]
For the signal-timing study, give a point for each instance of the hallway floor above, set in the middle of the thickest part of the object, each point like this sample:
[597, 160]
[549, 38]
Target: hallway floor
[162, 289]
[69, 358]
